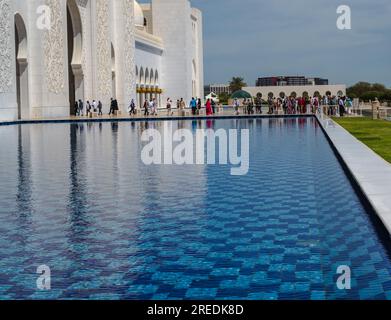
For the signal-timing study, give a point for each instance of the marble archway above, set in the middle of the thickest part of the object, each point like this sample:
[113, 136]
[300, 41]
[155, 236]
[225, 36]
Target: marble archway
[75, 45]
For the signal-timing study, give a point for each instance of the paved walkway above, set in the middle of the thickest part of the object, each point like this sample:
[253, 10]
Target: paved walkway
[371, 172]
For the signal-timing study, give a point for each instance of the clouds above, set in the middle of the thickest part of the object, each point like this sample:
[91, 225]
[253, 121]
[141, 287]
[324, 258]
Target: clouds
[254, 38]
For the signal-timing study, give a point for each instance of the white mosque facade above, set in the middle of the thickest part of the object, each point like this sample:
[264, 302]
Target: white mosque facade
[55, 52]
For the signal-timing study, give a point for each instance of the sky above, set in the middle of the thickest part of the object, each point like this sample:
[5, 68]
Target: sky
[256, 38]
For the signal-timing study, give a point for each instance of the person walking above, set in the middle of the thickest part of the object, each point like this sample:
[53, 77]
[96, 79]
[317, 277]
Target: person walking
[213, 106]
[169, 105]
[182, 106]
[81, 108]
[316, 105]
[116, 107]
[236, 106]
[132, 108]
[154, 107]
[258, 105]
[199, 106]
[193, 106]
[301, 103]
[100, 106]
[112, 107]
[208, 106]
[76, 108]
[94, 106]
[270, 103]
[341, 104]
[146, 108]
[88, 108]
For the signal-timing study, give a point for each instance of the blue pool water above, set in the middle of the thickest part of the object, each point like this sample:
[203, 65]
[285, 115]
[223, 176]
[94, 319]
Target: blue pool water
[77, 198]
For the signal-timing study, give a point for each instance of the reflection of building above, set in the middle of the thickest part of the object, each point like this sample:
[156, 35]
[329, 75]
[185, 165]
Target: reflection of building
[217, 89]
[96, 49]
[289, 81]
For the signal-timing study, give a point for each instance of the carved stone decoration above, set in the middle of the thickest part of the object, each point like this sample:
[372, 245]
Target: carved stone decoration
[82, 4]
[129, 44]
[6, 54]
[103, 51]
[54, 49]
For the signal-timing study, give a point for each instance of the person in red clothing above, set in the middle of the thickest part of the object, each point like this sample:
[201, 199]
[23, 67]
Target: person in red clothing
[302, 105]
[209, 110]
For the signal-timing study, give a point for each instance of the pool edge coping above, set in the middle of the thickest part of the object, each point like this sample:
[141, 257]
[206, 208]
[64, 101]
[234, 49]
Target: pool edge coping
[365, 167]
[142, 119]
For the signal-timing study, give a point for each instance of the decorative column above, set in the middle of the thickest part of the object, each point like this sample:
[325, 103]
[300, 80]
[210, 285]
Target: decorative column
[102, 53]
[124, 44]
[48, 65]
[8, 105]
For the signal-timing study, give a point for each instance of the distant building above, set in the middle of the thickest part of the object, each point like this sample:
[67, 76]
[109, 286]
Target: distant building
[217, 89]
[289, 81]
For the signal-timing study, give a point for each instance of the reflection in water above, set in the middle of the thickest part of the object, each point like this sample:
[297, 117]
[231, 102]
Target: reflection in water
[78, 192]
[111, 227]
[24, 189]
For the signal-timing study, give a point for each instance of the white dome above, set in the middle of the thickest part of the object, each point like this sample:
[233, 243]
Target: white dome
[138, 15]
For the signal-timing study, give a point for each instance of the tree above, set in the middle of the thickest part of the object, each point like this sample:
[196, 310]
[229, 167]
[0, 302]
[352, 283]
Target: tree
[367, 91]
[223, 97]
[237, 83]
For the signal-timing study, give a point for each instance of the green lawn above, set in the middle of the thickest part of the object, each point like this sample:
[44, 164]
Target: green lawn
[376, 134]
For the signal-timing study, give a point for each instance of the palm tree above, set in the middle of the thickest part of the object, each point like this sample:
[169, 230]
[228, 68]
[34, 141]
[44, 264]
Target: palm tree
[237, 83]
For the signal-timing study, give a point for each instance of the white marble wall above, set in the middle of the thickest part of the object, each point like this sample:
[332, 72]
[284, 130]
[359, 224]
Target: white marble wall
[198, 52]
[104, 22]
[124, 46]
[172, 23]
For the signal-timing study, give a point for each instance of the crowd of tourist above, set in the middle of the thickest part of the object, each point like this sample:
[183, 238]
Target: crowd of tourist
[300, 105]
[332, 105]
[81, 109]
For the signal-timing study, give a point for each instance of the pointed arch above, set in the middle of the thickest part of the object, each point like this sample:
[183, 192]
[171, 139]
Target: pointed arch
[147, 76]
[75, 49]
[142, 79]
[21, 57]
[152, 78]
